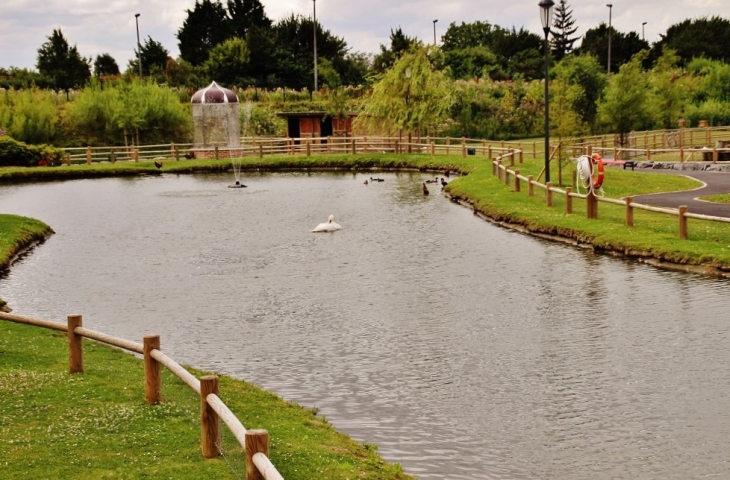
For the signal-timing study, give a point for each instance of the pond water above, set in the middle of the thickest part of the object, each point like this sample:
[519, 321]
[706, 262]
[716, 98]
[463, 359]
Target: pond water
[463, 350]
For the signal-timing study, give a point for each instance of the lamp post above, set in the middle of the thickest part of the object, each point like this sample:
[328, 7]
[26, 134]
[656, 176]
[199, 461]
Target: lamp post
[139, 47]
[434, 32]
[642, 30]
[610, 8]
[546, 13]
[314, 12]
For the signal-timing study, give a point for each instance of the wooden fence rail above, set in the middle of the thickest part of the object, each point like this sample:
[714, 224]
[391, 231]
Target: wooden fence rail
[502, 172]
[213, 409]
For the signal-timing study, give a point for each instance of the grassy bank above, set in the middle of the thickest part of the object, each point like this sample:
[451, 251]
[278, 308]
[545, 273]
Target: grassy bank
[96, 425]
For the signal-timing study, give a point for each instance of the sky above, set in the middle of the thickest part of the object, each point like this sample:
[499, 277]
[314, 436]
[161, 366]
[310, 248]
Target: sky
[108, 26]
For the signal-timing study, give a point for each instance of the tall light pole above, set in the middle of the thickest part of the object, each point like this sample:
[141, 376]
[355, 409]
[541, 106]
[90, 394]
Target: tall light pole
[434, 32]
[642, 30]
[610, 8]
[314, 11]
[546, 14]
[139, 47]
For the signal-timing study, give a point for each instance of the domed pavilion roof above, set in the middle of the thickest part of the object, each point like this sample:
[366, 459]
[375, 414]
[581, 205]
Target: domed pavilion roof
[214, 93]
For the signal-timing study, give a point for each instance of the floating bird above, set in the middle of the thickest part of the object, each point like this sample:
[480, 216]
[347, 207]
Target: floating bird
[330, 226]
[425, 189]
[444, 182]
[435, 180]
[377, 179]
[365, 182]
[158, 165]
[238, 184]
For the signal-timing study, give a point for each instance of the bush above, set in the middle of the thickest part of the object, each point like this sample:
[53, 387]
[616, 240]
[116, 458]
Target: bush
[18, 154]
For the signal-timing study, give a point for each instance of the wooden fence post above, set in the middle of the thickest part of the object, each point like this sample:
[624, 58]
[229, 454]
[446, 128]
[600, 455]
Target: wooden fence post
[261, 150]
[177, 153]
[682, 222]
[88, 155]
[257, 441]
[433, 149]
[68, 159]
[591, 204]
[534, 149]
[549, 194]
[75, 345]
[506, 176]
[152, 386]
[499, 169]
[309, 148]
[354, 146]
[210, 437]
[568, 200]
[517, 181]
[629, 212]
[530, 186]
[489, 151]
[521, 154]
[463, 147]
[216, 152]
[494, 168]
[136, 154]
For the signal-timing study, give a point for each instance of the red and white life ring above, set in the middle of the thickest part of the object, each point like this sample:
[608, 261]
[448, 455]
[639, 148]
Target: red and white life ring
[598, 171]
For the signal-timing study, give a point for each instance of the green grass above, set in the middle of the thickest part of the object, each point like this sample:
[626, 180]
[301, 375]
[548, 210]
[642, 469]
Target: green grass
[722, 198]
[96, 424]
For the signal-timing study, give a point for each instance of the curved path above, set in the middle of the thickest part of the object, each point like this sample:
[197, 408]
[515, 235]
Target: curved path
[715, 183]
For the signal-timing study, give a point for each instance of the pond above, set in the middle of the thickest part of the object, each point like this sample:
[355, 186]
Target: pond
[463, 350]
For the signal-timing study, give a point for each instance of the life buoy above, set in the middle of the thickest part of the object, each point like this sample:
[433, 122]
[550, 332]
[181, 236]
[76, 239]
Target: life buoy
[598, 171]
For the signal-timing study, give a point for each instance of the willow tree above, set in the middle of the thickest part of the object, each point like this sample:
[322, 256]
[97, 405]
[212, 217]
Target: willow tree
[411, 96]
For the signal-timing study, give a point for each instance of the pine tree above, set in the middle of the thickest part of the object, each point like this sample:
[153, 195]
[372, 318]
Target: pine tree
[563, 28]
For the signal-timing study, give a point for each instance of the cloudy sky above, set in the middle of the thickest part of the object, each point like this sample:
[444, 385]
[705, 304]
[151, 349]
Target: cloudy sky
[108, 26]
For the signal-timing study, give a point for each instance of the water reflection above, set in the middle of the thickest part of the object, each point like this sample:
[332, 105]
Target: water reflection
[463, 350]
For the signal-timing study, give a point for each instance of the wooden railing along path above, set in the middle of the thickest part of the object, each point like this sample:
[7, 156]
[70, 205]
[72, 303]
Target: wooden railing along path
[512, 178]
[212, 408]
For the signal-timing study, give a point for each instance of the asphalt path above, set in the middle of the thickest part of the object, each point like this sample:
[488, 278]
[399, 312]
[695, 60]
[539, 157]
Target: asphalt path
[715, 183]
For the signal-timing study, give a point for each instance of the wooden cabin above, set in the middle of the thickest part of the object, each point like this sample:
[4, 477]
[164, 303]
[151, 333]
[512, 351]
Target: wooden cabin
[317, 124]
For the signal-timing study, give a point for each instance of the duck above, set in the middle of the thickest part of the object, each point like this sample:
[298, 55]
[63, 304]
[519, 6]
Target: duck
[435, 180]
[377, 179]
[425, 189]
[365, 182]
[158, 164]
[444, 182]
[329, 226]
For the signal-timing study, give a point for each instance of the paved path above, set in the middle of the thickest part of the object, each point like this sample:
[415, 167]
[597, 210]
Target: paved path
[715, 182]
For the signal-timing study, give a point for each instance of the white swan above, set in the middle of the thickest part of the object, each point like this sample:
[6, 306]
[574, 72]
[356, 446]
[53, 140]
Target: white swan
[330, 226]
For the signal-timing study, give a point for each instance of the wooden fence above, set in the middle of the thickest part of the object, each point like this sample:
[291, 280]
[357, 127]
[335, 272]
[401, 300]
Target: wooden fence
[212, 408]
[512, 178]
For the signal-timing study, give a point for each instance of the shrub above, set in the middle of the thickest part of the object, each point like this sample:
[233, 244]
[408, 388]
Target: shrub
[18, 154]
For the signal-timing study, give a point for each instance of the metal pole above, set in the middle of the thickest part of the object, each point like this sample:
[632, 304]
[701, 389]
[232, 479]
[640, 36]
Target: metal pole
[610, 8]
[642, 30]
[314, 6]
[139, 47]
[434, 32]
[547, 110]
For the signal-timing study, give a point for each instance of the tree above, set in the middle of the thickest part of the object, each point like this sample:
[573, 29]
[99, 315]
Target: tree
[626, 104]
[61, 64]
[411, 96]
[670, 92]
[105, 65]
[399, 44]
[154, 58]
[206, 26]
[295, 50]
[246, 14]
[227, 62]
[584, 73]
[563, 28]
[702, 37]
[623, 46]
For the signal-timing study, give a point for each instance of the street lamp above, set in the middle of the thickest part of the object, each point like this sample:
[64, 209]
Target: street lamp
[610, 8]
[139, 47]
[434, 32]
[546, 13]
[642, 30]
[314, 11]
